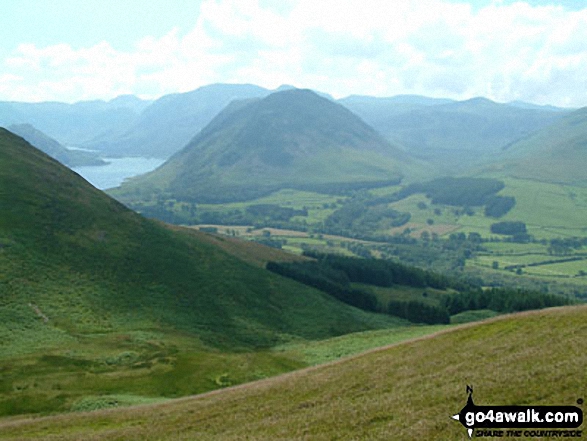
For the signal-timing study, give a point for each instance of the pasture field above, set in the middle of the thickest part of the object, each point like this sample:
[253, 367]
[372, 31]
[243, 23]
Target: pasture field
[535, 260]
[576, 268]
[512, 248]
[137, 367]
[549, 210]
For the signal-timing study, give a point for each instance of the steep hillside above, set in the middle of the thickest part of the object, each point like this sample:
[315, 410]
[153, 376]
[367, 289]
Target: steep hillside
[71, 158]
[407, 391]
[452, 134]
[290, 139]
[84, 280]
[170, 122]
[556, 153]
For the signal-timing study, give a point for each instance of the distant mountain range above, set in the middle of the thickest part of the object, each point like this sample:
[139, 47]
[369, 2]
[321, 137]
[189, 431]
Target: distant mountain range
[289, 139]
[429, 127]
[454, 135]
[74, 124]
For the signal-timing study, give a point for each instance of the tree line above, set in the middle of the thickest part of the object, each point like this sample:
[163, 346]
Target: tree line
[503, 300]
[334, 275]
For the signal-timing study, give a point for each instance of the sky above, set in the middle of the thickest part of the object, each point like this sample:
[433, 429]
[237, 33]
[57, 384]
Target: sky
[505, 50]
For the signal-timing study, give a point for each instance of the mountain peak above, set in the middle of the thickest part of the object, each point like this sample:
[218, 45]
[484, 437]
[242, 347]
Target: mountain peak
[293, 138]
[285, 87]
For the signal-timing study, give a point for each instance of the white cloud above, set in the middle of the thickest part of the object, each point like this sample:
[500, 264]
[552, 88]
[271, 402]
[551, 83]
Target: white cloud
[378, 47]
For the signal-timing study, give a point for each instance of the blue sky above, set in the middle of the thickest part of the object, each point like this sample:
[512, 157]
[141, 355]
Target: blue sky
[83, 23]
[71, 50]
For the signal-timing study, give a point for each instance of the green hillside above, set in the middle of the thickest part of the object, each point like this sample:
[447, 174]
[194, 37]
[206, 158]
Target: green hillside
[408, 391]
[96, 299]
[71, 158]
[290, 139]
[557, 153]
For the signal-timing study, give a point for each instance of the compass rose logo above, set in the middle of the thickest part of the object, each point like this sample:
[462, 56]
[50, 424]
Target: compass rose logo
[469, 407]
[518, 417]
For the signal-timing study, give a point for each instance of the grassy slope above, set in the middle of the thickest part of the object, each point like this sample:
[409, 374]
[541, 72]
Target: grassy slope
[553, 154]
[407, 391]
[250, 252]
[97, 300]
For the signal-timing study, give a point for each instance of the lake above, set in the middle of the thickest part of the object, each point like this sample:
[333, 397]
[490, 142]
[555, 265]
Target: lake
[118, 169]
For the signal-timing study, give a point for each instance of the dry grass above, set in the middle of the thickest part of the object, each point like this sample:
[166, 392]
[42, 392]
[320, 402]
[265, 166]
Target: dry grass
[405, 392]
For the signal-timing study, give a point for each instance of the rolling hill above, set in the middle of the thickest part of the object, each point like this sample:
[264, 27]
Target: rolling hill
[407, 391]
[557, 153]
[96, 298]
[70, 158]
[290, 139]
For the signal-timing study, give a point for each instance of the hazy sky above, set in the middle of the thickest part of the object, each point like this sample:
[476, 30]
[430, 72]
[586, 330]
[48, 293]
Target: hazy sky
[71, 50]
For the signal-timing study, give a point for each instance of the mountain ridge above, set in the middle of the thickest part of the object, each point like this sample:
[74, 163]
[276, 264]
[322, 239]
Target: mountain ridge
[70, 158]
[456, 135]
[97, 298]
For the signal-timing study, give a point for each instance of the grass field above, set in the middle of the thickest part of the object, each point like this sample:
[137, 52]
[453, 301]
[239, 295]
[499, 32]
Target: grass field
[407, 391]
[324, 351]
[549, 210]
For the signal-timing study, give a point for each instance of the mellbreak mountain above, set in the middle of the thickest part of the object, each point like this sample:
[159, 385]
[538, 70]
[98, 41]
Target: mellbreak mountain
[556, 153]
[95, 298]
[289, 139]
[70, 158]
